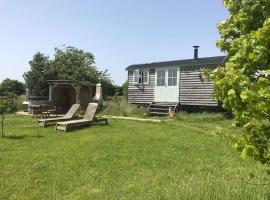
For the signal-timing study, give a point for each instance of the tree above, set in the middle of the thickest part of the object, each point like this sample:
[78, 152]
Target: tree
[11, 86]
[75, 64]
[2, 111]
[7, 104]
[243, 85]
[67, 64]
[40, 71]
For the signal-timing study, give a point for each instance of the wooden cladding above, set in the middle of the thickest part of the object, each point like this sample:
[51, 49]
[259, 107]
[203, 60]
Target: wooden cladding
[193, 90]
[141, 93]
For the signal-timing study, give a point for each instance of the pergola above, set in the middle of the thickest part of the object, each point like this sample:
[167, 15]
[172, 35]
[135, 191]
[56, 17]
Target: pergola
[64, 93]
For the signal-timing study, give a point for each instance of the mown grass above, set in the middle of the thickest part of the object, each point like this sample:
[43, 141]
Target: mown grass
[124, 160]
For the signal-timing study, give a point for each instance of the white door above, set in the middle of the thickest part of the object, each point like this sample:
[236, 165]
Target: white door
[167, 85]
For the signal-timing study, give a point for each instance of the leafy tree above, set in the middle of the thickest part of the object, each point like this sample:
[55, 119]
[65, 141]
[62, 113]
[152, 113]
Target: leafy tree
[67, 64]
[243, 85]
[40, 72]
[11, 86]
[73, 64]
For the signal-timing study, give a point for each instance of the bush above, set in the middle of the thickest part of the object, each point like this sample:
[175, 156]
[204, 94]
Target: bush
[11, 86]
[125, 89]
[8, 104]
[19, 102]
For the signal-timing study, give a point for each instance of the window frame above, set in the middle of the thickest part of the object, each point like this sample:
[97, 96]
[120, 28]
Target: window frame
[141, 76]
[165, 84]
[172, 77]
[167, 69]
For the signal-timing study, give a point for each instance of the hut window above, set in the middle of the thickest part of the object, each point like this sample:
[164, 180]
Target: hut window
[172, 77]
[141, 77]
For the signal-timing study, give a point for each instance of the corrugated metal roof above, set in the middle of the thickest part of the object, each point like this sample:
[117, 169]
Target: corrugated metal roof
[188, 62]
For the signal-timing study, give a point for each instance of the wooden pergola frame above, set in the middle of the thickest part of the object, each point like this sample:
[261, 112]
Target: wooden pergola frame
[64, 83]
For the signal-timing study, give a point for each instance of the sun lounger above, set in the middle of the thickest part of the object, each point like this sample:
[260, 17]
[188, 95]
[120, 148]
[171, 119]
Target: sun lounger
[68, 116]
[89, 118]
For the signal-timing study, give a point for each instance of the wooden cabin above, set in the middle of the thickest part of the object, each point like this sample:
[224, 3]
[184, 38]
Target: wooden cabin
[173, 83]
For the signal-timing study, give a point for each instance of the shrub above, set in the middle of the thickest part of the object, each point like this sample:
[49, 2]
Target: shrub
[12, 86]
[19, 102]
[8, 103]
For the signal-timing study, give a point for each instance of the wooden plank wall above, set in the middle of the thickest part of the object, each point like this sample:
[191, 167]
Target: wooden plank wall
[193, 90]
[141, 94]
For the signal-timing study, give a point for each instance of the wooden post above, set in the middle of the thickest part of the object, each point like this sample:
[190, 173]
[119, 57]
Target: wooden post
[50, 92]
[98, 96]
[77, 90]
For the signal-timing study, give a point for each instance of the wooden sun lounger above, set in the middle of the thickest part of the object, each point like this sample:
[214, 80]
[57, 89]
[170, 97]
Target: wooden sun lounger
[68, 116]
[89, 118]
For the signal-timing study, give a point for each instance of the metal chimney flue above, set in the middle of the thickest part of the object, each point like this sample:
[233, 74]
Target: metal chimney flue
[196, 52]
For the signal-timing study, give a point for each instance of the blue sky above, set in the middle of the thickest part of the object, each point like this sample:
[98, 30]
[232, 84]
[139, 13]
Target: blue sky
[118, 32]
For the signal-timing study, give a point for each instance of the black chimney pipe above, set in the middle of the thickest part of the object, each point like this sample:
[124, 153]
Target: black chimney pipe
[196, 51]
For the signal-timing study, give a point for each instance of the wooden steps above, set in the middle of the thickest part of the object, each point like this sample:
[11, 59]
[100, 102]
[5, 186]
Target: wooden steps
[162, 108]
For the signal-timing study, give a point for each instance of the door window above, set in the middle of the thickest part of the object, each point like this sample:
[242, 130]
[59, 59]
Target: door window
[161, 77]
[172, 77]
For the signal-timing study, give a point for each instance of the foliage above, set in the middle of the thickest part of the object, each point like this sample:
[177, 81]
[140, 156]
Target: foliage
[2, 106]
[243, 85]
[40, 71]
[108, 89]
[119, 106]
[67, 64]
[117, 90]
[2, 111]
[7, 105]
[19, 102]
[125, 89]
[124, 160]
[2, 121]
[11, 86]
[73, 64]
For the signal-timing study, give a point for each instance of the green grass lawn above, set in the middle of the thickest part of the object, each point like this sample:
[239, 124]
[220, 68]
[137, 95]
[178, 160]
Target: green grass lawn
[125, 160]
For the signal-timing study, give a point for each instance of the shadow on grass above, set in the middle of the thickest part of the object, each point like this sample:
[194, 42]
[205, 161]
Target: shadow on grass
[20, 137]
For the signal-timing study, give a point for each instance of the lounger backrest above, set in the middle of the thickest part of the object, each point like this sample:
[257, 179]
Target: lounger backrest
[72, 111]
[90, 111]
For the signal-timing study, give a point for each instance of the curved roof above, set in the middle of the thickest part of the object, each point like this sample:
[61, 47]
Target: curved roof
[187, 62]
